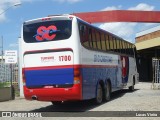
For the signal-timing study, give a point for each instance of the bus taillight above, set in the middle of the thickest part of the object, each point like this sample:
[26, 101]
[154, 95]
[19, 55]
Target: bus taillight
[77, 75]
[23, 78]
[45, 19]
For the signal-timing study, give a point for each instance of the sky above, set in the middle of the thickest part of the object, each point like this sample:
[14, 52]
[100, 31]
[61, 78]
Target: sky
[12, 17]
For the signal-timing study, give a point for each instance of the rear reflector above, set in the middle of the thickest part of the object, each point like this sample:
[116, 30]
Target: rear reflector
[77, 75]
[23, 78]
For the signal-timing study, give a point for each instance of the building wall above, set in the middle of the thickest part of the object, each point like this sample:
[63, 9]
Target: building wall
[150, 43]
[148, 47]
[148, 36]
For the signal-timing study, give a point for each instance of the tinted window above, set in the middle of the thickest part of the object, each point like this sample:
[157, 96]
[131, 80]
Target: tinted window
[98, 38]
[94, 39]
[103, 40]
[47, 31]
[84, 35]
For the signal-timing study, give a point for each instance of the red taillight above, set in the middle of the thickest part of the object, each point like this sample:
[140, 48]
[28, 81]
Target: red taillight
[23, 77]
[77, 74]
[45, 19]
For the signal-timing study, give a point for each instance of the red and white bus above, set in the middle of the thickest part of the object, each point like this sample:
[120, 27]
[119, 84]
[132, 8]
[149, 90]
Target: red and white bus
[65, 58]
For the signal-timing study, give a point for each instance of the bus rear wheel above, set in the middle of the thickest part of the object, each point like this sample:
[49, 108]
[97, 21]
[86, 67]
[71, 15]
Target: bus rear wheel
[131, 88]
[99, 95]
[107, 92]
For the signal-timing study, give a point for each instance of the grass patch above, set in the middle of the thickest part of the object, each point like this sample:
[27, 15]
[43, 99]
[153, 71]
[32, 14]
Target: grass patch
[5, 84]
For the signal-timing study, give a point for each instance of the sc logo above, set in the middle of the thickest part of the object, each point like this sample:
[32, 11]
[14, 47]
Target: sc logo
[46, 33]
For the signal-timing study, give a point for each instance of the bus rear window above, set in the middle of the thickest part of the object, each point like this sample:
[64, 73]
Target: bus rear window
[47, 31]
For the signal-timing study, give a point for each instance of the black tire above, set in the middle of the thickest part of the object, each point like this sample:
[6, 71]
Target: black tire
[131, 88]
[107, 92]
[56, 102]
[99, 95]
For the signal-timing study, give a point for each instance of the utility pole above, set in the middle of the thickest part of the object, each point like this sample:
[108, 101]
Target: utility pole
[2, 50]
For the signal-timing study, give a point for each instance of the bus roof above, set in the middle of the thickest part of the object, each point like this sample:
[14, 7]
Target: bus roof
[49, 17]
[102, 30]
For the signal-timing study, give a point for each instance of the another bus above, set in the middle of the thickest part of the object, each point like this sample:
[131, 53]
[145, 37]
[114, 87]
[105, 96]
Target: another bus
[67, 59]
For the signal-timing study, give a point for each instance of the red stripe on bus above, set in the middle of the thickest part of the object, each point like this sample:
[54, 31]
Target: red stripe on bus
[70, 66]
[48, 67]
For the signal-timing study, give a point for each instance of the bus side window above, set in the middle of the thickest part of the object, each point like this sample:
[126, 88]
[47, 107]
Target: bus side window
[123, 47]
[107, 42]
[111, 43]
[130, 49]
[94, 39]
[115, 44]
[81, 29]
[90, 38]
[103, 42]
[84, 35]
[98, 39]
[133, 50]
[127, 48]
[118, 45]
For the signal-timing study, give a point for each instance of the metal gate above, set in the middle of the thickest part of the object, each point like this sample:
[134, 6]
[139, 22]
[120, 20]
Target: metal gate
[156, 73]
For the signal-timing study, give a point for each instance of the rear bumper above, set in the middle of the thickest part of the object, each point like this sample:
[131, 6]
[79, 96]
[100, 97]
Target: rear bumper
[54, 94]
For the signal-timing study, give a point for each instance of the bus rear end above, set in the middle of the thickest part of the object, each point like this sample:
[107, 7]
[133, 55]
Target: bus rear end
[49, 62]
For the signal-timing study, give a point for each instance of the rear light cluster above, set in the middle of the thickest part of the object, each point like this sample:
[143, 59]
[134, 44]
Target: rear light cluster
[77, 74]
[23, 77]
[45, 19]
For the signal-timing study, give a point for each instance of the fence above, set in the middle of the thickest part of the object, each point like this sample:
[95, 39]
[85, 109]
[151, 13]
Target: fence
[156, 73]
[8, 80]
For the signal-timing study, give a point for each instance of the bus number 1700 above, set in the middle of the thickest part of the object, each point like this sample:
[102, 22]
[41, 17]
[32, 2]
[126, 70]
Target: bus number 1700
[65, 58]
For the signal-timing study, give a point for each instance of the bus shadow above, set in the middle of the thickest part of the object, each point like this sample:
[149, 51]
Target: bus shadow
[121, 93]
[80, 106]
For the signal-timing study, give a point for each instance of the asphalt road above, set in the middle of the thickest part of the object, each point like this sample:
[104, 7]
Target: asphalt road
[142, 99]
